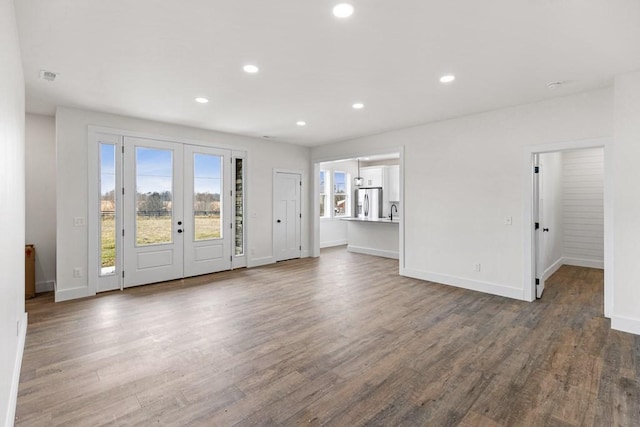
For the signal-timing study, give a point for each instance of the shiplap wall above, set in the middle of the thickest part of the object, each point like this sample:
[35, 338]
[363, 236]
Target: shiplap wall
[583, 206]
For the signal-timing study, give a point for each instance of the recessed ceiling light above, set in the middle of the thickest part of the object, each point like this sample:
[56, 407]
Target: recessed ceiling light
[343, 10]
[554, 85]
[358, 106]
[202, 100]
[447, 78]
[301, 123]
[252, 69]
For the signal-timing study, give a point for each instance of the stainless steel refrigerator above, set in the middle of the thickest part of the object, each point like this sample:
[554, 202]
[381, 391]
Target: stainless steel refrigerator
[369, 202]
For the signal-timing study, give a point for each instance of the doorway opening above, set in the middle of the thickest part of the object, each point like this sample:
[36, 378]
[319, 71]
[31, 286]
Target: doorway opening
[569, 212]
[161, 210]
[358, 204]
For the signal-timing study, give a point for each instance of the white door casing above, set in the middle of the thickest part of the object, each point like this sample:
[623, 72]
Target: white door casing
[287, 215]
[538, 209]
[137, 263]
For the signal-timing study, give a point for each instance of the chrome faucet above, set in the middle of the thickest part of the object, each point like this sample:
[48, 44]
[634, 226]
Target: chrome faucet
[393, 206]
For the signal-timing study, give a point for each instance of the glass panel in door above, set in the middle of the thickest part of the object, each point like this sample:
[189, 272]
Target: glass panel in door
[207, 204]
[154, 199]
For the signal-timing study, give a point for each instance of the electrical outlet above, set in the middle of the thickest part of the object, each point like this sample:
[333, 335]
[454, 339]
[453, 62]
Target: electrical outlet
[77, 273]
[478, 267]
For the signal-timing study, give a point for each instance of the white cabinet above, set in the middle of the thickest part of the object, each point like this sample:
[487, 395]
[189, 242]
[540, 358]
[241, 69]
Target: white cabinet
[392, 187]
[387, 177]
[372, 176]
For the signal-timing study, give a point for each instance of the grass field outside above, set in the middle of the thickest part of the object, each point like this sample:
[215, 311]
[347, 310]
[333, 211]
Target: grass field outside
[152, 230]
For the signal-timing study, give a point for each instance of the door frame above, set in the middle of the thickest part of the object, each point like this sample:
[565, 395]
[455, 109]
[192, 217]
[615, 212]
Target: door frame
[273, 205]
[93, 226]
[315, 201]
[528, 214]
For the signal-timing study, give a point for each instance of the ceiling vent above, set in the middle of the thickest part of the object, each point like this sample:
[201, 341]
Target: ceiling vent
[48, 75]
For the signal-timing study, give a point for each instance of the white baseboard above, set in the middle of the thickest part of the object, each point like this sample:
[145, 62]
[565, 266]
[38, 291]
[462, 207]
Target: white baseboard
[583, 262]
[553, 268]
[371, 251]
[257, 262]
[17, 366]
[74, 293]
[473, 285]
[305, 253]
[47, 286]
[625, 324]
[331, 244]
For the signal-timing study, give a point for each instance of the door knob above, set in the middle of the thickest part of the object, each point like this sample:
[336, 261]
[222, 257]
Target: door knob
[179, 222]
[278, 221]
[179, 230]
[545, 229]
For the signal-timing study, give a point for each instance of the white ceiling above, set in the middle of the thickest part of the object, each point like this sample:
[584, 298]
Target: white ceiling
[151, 58]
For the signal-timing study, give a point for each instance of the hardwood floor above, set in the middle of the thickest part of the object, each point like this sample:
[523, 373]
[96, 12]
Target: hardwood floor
[340, 340]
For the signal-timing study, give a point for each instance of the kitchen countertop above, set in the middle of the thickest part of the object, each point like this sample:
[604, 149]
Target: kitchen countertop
[377, 220]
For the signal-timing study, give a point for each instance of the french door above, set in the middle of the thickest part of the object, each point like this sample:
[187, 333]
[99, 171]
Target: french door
[177, 201]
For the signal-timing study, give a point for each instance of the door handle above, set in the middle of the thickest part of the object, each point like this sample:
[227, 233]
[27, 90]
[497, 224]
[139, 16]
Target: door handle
[278, 221]
[545, 230]
[179, 230]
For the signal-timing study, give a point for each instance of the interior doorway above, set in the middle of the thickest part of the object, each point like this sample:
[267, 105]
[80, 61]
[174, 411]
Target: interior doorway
[569, 210]
[358, 204]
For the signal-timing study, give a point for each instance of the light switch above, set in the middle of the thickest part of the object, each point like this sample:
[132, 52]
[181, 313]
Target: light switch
[79, 221]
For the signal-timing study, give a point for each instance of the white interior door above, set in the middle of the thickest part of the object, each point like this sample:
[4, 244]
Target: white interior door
[153, 211]
[287, 219]
[208, 225]
[538, 209]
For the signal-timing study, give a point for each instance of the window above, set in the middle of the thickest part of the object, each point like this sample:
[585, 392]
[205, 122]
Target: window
[107, 209]
[340, 193]
[324, 211]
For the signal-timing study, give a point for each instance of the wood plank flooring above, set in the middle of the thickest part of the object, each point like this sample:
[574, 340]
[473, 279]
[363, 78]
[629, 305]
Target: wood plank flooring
[341, 340]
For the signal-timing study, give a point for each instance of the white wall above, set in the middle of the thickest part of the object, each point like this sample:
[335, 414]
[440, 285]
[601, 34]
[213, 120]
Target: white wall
[333, 231]
[72, 141]
[583, 187]
[12, 191]
[463, 176]
[551, 195]
[40, 159]
[626, 204]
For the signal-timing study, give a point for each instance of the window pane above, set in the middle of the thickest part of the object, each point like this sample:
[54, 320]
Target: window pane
[154, 185]
[206, 198]
[340, 204]
[340, 183]
[107, 208]
[340, 193]
[239, 208]
[324, 175]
